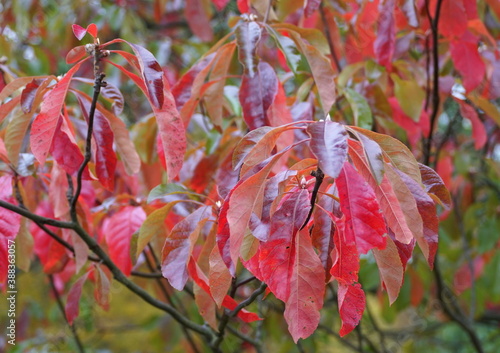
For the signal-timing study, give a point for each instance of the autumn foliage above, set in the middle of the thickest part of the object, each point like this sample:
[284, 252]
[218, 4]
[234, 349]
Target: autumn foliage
[297, 150]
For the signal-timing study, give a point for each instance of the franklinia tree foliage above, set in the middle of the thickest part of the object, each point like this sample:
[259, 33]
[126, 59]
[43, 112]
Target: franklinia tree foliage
[270, 159]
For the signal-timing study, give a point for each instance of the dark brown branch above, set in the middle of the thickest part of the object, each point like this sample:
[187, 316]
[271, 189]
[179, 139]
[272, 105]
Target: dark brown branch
[99, 83]
[434, 22]
[318, 173]
[63, 312]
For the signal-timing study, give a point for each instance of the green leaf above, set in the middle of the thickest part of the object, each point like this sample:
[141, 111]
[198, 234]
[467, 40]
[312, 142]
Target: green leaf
[410, 96]
[164, 190]
[362, 112]
[287, 47]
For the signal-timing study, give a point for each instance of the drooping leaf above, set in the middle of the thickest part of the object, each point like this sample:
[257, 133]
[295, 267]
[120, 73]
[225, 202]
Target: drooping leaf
[361, 210]
[478, 130]
[118, 230]
[351, 298]
[72, 308]
[65, 151]
[229, 303]
[183, 88]
[44, 125]
[435, 186]
[311, 6]
[373, 154]
[9, 227]
[329, 145]
[179, 245]
[29, 94]
[321, 69]
[214, 95]
[390, 269]
[386, 34]
[102, 288]
[219, 277]
[277, 255]
[352, 301]
[105, 157]
[256, 95]
[307, 289]
[386, 196]
[206, 306]
[429, 241]
[242, 201]
[248, 35]
[396, 152]
[468, 62]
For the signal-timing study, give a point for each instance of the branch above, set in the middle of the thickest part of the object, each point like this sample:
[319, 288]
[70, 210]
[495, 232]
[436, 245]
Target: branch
[230, 314]
[435, 84]
[318, 173]
[61, 308]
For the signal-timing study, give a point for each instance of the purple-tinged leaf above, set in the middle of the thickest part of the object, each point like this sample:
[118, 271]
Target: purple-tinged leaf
[435, 186]
[179, 246]
[386, 34]
[248, 34]
[329, 145]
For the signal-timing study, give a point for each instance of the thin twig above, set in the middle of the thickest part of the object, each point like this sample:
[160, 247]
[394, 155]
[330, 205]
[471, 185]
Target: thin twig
[63, 312]
[318, 173]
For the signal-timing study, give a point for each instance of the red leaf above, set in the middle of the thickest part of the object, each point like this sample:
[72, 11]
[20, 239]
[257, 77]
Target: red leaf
[435, 186]
[243, 6]
[390, 268]
[468, 63]
[307, 289]
[329, 145]
[9, 227]
[428, 243]
[79, 31]
[72, 304]
[352, 302]
[453, 18]
[65, 151]
[386, 34]
[242, 201]
[247, 37]
[361, 210]
[92, 30]
[105, 157]
[257, 93]
[198, 20]
[277, 255]
[51, 254]
[183, 88]
[179, 246]
[223, 232]
[218, 277]
[478, 130]
[75, 54]
[386, 196]
[201, 280]
[44, 125]
[220, 4]
[29, 94]
[152, 75]
[102, 287]
[351, 298]
[467, 273]
[118, 230]
[58, 189]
